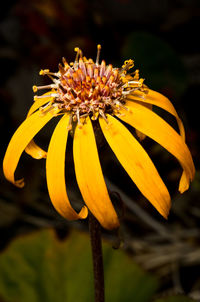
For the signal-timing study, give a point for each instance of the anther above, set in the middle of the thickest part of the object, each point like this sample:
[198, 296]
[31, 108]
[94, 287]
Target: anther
[98, 54]
[43, 71]
[34, 88]
[90, 61]
[128, 64]
[136, 75]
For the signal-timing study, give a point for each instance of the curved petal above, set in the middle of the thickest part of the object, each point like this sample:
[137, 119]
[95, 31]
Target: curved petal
[21, 138]
[33, 149]
[139, 134]
[137, 164]
[90, 178]
[55, 171]
[155, 127]
[157, 99]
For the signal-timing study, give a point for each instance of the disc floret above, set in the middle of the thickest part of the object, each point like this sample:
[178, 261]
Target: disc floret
[85, 87]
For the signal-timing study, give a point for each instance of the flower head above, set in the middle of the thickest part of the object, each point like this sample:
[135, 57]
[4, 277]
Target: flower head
[85, 91]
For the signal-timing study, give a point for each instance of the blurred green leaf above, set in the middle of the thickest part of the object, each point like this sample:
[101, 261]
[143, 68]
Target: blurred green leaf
[158, 63]
[38, 268]
[175, 299]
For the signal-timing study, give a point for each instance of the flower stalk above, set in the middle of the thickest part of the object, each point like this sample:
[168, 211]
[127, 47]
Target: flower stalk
[97, 257]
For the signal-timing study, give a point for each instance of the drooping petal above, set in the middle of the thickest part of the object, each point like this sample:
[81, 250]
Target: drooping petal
[137, 164]
[90, 178]
[21, 138]
[139, 134]
[155, 127]
[55, 172]
[33, 149]
[157, 99]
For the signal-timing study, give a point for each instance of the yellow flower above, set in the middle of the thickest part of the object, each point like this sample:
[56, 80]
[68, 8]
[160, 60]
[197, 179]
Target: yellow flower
[86, 92]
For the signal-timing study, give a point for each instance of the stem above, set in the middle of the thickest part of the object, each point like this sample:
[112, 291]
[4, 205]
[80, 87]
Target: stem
[97, 257]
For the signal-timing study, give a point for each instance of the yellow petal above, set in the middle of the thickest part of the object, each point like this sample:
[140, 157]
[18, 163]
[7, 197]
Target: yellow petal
[155, 127]
[33, 149]
[55, 170]
[21, 138]
[157, 99]
[137, 164]
[90, 178]
[139, 134]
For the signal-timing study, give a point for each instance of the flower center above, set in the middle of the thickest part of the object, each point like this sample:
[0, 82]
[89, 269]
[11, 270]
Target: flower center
[85, 87]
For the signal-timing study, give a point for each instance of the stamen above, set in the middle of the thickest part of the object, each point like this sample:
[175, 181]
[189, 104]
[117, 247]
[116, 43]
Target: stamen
[118, 104]
[80, 125]
[77, 54]
[42, 109]
[54, 109]
[36, 88]
[65, 62]
[129, 91]
[61, 69]
[47, 72]
[103, 116]
[90, 70]
[139, 83]
[50, 109]
[136, 75]
[108, 71]
[128, 64]
[82, 66]
[69, 127]
[95, 115]
[98, 54]
[51, 95]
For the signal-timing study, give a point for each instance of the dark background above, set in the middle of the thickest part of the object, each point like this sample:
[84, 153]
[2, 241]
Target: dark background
[162, 38]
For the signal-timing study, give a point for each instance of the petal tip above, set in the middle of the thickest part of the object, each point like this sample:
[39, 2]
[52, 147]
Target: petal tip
[111, 225]
[83, 212]
[19, 183]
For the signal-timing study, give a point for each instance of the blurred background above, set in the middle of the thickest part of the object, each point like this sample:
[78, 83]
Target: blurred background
[161, 257]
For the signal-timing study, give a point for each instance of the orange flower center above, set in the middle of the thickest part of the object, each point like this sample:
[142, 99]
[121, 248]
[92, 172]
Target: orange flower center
[85, 87]
[88, 87]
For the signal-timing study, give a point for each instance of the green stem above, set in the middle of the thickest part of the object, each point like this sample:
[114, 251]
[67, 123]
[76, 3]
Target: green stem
[97, 256]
